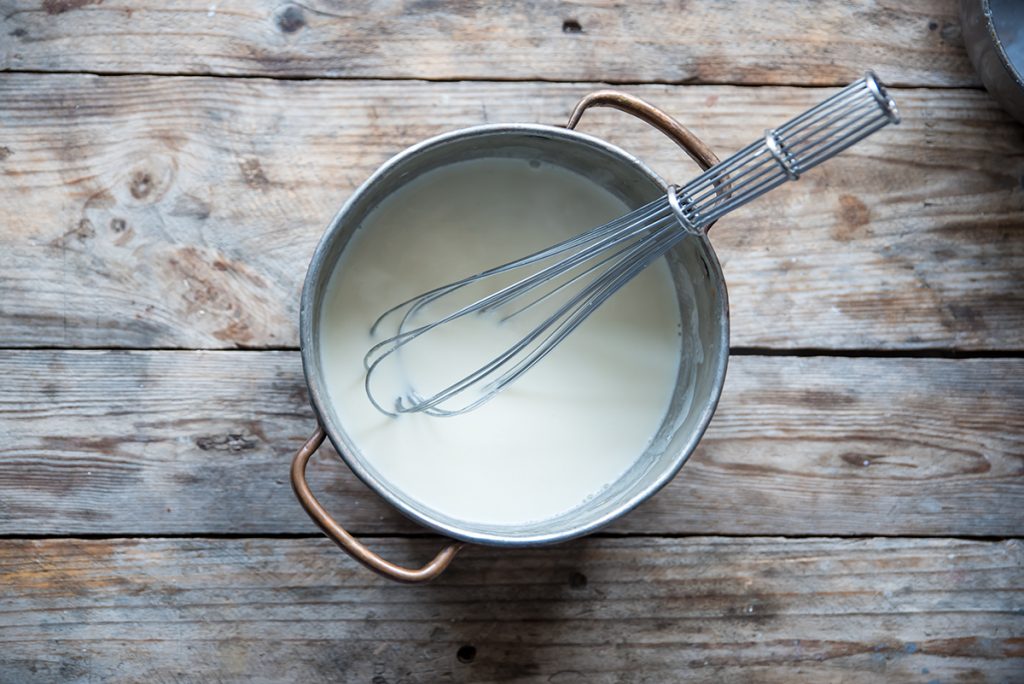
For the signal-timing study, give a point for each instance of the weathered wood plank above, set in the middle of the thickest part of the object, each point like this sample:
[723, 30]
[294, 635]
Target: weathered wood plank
[181, 212]
[200, 442]
[598, 610]
[916, 42]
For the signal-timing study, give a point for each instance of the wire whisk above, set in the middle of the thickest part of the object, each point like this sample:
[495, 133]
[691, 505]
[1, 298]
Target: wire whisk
[563, 284]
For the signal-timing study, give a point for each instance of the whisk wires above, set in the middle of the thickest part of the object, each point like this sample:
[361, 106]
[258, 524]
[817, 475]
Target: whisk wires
[573, 278]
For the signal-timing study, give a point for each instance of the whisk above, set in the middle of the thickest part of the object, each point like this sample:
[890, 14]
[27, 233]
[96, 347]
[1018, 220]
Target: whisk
[576, 276]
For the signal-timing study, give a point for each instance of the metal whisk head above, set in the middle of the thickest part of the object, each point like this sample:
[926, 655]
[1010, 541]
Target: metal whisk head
[560, 286]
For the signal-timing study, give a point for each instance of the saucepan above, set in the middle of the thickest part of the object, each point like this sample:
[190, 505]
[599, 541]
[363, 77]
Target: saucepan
[993, 32]
[695, 270]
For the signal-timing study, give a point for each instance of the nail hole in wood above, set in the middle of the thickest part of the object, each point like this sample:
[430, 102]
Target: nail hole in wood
[571, 26]
[577, 580]
[466, 654]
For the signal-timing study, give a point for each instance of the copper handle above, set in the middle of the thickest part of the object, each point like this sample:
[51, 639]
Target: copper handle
[645, 111]
[346, 541]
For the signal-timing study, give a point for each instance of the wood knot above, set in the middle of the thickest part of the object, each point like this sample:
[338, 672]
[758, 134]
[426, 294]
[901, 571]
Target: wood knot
[252, 174]
[290, 19]
[151, 178]
[85, 230]
[141, 185]
[230, 442]
[62, 6]
[858, 460]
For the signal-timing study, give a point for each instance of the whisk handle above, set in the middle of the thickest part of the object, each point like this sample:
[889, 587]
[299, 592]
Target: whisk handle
[785, 153]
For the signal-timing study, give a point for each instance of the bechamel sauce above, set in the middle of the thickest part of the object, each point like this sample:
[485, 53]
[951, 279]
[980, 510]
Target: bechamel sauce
[566, 429]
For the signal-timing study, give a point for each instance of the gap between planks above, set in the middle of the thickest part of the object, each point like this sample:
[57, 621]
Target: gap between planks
[491, 79]
[796, 352]
[85, 536]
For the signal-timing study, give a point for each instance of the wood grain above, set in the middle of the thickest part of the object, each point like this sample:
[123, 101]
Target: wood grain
[625, 610]
[174, 213]
[181, 212]
[200, 442]
[914, 42]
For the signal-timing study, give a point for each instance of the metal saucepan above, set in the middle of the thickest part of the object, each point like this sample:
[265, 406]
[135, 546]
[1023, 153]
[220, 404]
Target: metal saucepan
[692, 262]
[993, 32]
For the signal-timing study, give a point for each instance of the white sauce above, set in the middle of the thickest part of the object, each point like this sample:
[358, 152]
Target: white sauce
[565, 430]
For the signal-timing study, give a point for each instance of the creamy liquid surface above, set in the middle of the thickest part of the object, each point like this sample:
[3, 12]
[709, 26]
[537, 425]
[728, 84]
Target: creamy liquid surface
[565, 430]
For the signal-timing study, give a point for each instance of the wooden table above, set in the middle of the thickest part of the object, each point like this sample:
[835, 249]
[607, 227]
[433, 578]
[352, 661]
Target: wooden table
[166, 169]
